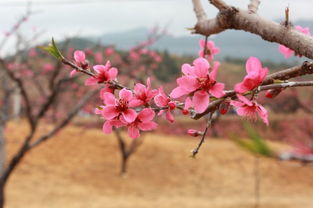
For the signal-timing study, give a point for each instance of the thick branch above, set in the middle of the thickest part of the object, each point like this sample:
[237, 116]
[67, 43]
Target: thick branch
[233, 18]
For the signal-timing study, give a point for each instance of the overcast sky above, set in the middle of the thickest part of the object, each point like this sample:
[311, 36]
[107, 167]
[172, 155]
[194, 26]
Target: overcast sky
[93, 17]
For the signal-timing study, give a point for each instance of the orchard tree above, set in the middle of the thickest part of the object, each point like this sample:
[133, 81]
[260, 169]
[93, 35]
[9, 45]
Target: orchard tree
[41, 85]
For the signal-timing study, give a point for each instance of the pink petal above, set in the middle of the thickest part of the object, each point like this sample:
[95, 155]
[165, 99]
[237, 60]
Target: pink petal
[107, 127]
[147, 126]
[160, 100]
[146, 115]
[201, 43]
[169, 116]
[188, 83]
[91, 81]
[286, 51]
[126, 94]
[253, 65]
[109, 112]
[187, 69]
[217, 90]
[178, 92]
[133, 132]
[129, 115]
[73, 72]
[200, 101]
[108, 98]
[201, 68]
[135, 103]
[244, 100]
[79, 56]
[99, 68]
[214, 71]
[139, 89]
[263, 114]
[113, 73]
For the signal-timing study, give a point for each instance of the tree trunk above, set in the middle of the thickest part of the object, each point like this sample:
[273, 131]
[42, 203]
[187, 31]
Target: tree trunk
[124, 165]
[2, 198]
[2, 148]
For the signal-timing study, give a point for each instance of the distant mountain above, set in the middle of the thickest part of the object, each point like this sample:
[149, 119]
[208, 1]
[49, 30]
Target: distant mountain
[235, 44]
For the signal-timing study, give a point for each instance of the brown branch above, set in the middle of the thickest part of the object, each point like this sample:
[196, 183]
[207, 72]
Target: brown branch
[234, 18]
[66, 120]
[209, 123]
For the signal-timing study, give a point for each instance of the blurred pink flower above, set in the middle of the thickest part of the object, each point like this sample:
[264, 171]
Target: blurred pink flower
[255, 76]
[211, 49]
[287, 51]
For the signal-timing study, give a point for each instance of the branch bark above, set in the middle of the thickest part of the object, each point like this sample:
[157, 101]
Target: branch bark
[234, 18]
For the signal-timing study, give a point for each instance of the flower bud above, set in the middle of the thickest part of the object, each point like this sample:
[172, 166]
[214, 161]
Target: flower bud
[224, 107]
[171, 105]
[185, 111]
[272, 93]
[194, 133]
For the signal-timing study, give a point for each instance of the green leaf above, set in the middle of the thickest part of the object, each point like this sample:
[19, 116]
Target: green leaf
[53, 50]
[255, 144]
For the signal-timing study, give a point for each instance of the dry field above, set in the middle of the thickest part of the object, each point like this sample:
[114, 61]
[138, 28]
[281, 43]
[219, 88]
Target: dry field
[79, 169]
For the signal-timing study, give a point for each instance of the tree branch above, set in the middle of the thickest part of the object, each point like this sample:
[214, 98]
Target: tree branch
[238, 19]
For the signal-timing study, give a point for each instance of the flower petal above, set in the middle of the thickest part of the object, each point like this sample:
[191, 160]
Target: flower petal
[129, 115]
[200, 101]
[109, 112]
[126, 94]
[133, 132]
[147, 126]
[146, 115]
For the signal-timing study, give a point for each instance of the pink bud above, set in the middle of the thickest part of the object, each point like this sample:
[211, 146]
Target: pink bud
[185, 112]
[172, 105]
[272, 93]
[193, 132]
[224, 107]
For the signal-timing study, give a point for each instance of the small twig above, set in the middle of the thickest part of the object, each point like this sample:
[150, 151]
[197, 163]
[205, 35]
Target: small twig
[254, 6]
[209, 122]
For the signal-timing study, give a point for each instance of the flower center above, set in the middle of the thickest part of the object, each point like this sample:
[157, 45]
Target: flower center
[102, 77]
[206, 83]
[122, 105]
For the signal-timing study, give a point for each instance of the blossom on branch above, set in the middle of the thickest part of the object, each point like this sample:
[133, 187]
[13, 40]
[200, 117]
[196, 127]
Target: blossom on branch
[104, 73]
[211, 50]
[255, 76]
[250, 109]
[163, 101]
[198, 82]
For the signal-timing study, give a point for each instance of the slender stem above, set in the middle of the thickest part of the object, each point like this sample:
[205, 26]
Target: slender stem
[196, 150]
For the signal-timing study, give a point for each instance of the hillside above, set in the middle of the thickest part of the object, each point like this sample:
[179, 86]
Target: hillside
[79, 167]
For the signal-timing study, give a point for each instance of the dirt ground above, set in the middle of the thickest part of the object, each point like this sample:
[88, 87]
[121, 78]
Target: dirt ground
[79, 169]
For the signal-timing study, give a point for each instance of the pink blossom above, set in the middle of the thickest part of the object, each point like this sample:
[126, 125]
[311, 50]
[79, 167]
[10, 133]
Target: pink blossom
[188, 105]
[109, 51]
[211, 49]
[32, 52]
[142, 122]
[163, 101]
[103, 74]
[250, 109]
[198, 81]
[255, 76]
[287, 51]
[134, 56]
[118, 107]
[143, 94]
[48, 67]
[98, 57]
[80, 59]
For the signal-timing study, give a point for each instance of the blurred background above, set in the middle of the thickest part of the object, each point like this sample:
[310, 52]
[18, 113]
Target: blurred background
[239, 165]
